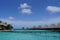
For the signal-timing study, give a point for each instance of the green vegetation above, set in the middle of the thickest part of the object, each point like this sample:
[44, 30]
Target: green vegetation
[5, 26]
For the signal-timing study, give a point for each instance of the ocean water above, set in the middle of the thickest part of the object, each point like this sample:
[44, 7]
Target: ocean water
[30, 35]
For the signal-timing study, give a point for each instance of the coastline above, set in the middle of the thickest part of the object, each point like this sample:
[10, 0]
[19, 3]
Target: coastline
[6, 30]
[27, 30]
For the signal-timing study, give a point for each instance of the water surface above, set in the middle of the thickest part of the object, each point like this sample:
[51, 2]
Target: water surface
[30, 35]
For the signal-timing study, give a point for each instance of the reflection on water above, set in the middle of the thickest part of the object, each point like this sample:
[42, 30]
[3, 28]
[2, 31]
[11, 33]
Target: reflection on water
[30, 35]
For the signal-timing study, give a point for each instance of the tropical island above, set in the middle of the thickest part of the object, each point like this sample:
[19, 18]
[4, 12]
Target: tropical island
[8, 27]
[55, 27]
[5, 27]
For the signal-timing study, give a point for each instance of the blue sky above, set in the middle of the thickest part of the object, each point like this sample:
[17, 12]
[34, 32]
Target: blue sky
[27, 13]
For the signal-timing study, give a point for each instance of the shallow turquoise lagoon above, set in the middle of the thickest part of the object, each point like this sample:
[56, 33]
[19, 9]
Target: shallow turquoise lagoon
[30, 35]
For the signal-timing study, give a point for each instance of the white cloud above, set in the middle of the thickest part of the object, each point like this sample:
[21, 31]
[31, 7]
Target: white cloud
[25, 8]
[26, 11]
[11, 18]
[25, 5]
[53, 9]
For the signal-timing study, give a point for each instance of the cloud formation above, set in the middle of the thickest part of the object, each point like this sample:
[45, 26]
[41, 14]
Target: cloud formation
[53, 9]
[25, 5]
[11, 18]
[26, 11]
[25, 8]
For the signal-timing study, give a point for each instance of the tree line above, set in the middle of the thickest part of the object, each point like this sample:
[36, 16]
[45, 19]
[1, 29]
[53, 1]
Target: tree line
[52, 26]
[5, 26]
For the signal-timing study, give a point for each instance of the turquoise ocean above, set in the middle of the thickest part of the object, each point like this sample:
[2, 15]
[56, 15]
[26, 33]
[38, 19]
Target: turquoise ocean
[30, 35]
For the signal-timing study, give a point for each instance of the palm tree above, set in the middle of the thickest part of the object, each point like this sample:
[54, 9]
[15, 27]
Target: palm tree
[5, 26]
[2, 27]
[5, 23]
[9, 27]
[46, 26]
[52, 26]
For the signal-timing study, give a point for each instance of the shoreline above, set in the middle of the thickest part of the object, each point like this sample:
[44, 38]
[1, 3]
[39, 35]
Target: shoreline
[6, 30]
[26, 30]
